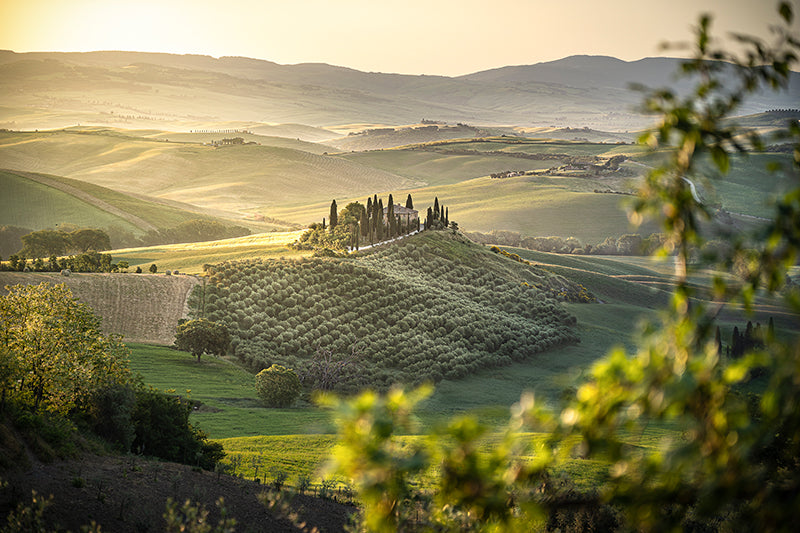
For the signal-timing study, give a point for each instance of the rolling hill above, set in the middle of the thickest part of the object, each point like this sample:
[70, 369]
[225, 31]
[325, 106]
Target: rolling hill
[235, 178]
[127, 88]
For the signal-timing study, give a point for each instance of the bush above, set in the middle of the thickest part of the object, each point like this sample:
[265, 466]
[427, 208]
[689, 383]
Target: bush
[163, 430]
[278, 386]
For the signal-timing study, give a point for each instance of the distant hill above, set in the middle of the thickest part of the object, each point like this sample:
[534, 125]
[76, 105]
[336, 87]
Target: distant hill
[133, 89]
[231, 178]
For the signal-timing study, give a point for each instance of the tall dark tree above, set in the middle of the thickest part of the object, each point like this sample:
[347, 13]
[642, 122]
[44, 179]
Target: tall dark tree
[436, 212]
[364, 223]
[391, 222]
[771, 330]
[409, 202]
[718, 341]
[379, 221]
[334, 215]
[736, 343]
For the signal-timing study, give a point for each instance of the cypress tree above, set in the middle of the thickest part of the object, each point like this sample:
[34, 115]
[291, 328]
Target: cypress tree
[323, 223]
[390, 219]
[771, 330]
[718, 340]
[749, 339]
[379, 221]
[334, 216]
[736, 343]
[364, 223]
[409, 202]
[446, 216]
[429, 218]
[436, 208]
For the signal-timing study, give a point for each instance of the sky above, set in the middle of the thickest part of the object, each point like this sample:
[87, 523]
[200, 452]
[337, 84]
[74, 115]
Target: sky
[442, 37]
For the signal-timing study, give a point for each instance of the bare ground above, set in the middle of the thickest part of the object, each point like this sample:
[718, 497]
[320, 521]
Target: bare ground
[140, 307]
[129, 494]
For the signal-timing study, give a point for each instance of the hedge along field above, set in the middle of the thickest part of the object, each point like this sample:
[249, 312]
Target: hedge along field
[434, 307]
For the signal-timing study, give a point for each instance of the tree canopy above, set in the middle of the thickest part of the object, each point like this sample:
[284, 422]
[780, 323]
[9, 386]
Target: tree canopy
[202, 336]
[54, 355]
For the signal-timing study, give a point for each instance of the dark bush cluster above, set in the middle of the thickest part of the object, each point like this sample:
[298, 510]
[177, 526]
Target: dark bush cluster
[418, 315]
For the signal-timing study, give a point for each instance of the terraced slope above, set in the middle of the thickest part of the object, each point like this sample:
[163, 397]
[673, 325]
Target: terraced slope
[430, 308]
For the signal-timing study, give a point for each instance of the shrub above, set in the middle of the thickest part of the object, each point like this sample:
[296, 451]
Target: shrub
[278, 386]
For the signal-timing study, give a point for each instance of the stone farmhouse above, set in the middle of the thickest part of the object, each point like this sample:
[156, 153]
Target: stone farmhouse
[407, 216]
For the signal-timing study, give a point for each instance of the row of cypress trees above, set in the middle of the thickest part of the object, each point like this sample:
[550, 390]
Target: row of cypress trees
[369, 225]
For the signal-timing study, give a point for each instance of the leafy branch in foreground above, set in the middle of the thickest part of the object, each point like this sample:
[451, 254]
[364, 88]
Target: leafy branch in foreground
[737, 462]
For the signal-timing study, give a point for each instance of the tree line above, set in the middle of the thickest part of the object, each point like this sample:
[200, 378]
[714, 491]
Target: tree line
[70, 239]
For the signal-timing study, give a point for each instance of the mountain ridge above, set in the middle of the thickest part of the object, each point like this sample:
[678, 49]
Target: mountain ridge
[197, 90]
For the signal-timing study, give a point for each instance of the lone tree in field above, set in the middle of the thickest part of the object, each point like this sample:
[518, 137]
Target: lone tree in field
[153, 268]
[278, 386]
[202, 336]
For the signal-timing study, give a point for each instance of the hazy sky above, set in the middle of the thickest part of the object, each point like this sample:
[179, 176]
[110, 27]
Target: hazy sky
[448, 37]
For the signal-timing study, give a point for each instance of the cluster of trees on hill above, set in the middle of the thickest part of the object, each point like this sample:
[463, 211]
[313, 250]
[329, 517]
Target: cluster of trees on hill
[88, 262]
[417, 315]
[358, 224]
[60, 373]
[70, 239]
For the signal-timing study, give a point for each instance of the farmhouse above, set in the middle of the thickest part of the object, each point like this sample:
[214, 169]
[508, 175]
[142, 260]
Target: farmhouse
[406, 215]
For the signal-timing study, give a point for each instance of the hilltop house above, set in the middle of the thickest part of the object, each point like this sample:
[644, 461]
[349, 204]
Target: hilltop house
[407, 216]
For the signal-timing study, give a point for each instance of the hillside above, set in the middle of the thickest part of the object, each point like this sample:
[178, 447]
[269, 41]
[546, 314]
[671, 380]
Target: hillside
[434, 306]
[130, 89]
[236, 178]
[141, 308]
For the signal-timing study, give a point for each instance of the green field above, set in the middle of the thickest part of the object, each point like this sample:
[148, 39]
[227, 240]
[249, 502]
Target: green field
[295, 182]
[190, 257]
[231, 178]
[33, 205]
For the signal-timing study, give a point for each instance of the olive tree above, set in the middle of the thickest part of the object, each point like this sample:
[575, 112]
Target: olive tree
[202, 336]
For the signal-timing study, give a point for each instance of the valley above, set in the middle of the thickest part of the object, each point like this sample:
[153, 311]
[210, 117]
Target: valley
[524, 331]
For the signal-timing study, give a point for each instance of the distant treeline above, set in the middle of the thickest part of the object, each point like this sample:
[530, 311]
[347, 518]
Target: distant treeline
[70, 239]
[632, 244]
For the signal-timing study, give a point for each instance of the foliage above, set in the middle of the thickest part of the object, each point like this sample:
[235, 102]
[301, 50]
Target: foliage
[91, 261]
[736, 465]
[191, 518]
[163, 430]
[424, 313]
[278, 386]
[202, 336]
[55, 350]
[112, 414]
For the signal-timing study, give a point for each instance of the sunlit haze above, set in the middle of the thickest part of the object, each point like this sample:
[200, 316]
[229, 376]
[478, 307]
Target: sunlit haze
[447, 37]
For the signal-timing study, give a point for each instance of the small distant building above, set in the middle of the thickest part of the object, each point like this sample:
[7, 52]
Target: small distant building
[407, 216]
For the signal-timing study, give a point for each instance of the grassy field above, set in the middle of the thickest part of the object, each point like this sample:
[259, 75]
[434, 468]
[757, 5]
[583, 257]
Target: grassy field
[30, 204]
[189, 258]
[230, 178]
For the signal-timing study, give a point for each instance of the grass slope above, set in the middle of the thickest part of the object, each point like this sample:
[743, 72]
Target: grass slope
[231, 178]
[190, 257]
